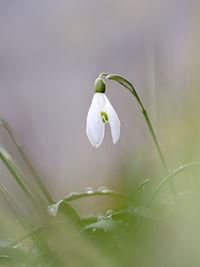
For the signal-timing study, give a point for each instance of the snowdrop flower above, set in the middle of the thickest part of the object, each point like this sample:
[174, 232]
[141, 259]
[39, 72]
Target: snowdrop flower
[100, 113]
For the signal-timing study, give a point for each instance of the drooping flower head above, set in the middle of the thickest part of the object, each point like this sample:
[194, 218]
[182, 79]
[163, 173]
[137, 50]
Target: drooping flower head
[100, 113]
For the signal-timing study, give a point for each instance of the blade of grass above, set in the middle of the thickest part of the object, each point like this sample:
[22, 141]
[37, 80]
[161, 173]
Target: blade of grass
[33, 171]
[6, 160]
[17, 211]
[37, 240]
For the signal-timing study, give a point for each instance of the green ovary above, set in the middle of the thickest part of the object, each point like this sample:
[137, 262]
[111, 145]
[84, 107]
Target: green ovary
[104, 117]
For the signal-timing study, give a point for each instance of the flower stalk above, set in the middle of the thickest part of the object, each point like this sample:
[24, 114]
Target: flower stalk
[127, 84]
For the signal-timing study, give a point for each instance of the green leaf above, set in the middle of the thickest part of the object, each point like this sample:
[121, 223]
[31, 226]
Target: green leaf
[15, 172]
[123, 81]
[106, 224]
[20, 161]
[63, 208]
[102, 191]
[138, 211]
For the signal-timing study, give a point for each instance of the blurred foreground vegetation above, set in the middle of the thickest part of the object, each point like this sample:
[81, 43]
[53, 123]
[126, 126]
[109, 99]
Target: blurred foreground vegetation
[124, 228]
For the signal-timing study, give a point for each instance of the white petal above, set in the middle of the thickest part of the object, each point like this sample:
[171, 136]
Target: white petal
[95, 127]
[113, 121]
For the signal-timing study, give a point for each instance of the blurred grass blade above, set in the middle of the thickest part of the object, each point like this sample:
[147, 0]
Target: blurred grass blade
[11, 254]
[33, 171]
[7, 160]
[17, 211]
[37, 240]
[169, 177]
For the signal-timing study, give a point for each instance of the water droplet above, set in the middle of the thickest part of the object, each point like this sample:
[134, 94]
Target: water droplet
[89, 190]
[93, 230]
[103, 189]
[109, 212]
[53, 209]
[72, 194]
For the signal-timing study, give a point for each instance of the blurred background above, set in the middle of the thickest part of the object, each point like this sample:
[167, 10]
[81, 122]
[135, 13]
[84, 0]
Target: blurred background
[50, 54]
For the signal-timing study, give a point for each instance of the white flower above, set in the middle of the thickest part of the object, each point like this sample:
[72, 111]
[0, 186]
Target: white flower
[101, 112]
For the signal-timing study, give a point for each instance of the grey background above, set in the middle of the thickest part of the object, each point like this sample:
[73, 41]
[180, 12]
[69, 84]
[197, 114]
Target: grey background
[52, 51]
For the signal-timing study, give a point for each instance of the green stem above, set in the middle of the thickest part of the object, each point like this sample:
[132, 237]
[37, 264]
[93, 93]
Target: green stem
[124, 82]
[33, 171]
[169, 177]
[159, 151]
[155, 141]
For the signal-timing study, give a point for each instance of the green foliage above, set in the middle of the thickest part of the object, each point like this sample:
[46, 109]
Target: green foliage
[146, 227]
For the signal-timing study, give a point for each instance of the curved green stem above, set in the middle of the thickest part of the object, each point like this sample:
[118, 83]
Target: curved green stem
[159, 151]
[169, 177]
[127, 84]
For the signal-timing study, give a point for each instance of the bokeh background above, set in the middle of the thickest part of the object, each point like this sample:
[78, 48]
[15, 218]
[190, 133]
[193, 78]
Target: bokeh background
[50, 55]
[52, 51]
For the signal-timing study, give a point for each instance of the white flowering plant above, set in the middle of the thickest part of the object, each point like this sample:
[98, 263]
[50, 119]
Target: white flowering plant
[53, 232]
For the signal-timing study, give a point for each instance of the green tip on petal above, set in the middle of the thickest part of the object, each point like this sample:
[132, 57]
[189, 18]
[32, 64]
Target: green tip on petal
[99, 86]
[104, 117]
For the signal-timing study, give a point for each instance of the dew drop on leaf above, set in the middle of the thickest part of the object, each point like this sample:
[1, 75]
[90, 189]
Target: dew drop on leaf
[89, 190]
[53, 209]
[103, 189]
[109, 212]
[72, 194]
